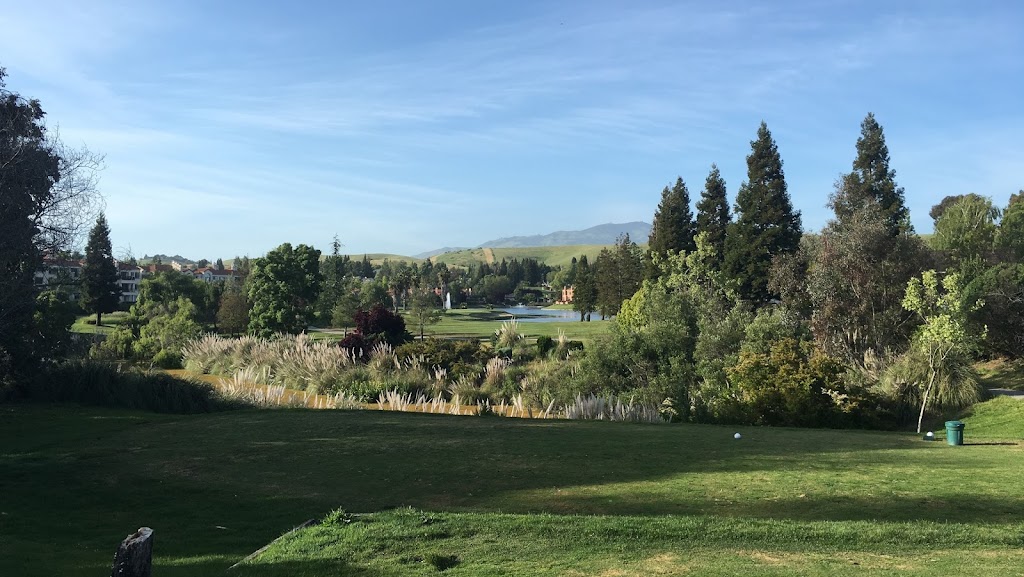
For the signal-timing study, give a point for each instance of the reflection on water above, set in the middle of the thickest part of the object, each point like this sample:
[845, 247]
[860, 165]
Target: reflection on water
[525, 314]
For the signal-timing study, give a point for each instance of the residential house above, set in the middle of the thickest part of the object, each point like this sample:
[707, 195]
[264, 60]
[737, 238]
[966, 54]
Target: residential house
[60, 273]
[211, 275]
[151, 269]
[566, 295]
[129, 277]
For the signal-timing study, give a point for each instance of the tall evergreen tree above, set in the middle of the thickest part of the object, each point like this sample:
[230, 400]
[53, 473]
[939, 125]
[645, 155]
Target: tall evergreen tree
[857, 278]
[766, 225]
[673, 228]
[873, 180]
[100, 290]
[713, 212]
[333, 268]
[366, 268]
[584, 295]
[618, 276]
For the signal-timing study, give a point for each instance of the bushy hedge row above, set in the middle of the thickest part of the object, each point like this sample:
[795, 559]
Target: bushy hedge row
[112, 385]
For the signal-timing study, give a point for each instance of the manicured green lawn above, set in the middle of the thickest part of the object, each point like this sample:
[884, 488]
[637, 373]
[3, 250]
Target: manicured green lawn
[481, 323]
[504, 496]
[110, 320]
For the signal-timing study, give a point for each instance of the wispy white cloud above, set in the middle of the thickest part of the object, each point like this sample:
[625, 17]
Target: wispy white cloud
[207, 112]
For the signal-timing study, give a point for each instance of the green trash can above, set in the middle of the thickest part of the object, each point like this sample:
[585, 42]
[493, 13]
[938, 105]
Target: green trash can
[955, 432]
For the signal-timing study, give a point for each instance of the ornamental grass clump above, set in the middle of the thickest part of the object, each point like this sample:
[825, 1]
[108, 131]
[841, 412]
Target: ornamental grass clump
[508, 334]
[294, 362]
[611, 408]
[248, 386]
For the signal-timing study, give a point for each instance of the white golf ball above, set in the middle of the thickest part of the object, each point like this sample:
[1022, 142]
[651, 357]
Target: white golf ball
[737, 436]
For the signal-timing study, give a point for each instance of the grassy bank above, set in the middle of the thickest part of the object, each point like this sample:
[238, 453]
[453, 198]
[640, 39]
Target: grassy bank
[1002, 374]
[503, 496]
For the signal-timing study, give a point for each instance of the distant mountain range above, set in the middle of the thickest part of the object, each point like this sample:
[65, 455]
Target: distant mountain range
[600, 234]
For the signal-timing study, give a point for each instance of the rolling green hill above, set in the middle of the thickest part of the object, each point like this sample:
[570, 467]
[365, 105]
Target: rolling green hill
[551, 255]
[377, 258]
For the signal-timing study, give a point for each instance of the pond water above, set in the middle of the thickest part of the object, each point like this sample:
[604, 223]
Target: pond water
[525, 314]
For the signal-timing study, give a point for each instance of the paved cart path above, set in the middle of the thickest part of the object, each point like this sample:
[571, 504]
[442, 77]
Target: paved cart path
[1007, 393]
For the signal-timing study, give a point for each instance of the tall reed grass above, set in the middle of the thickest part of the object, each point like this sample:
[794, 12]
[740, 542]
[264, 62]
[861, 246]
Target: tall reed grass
[297, 371]
[301, 363]
[610, 408]
[244, 387]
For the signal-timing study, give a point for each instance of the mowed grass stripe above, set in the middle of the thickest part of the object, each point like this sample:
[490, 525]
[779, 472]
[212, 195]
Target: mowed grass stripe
[405, 542]
[217, 487]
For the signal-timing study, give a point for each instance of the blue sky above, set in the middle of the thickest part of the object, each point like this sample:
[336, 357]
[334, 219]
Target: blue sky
[229, 128]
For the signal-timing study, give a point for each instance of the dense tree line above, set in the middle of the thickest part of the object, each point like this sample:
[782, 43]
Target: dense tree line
[731, 313]
[743, 317]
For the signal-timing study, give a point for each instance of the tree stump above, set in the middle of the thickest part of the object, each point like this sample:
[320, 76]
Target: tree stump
[134, 557]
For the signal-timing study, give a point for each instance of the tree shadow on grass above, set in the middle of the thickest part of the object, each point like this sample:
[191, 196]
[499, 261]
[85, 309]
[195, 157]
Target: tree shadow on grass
[305, 568]
[226, 484]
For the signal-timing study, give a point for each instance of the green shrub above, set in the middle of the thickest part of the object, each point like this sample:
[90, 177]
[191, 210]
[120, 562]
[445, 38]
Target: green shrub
[109, 385]
[794, 384]
[544, 345]
[457, 357]
[166, 359]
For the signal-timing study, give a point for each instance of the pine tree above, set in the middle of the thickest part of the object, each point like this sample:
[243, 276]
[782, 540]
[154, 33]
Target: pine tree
[766, 225]
[100, 290]
[713, 212]
[673, 228]
[873, 180]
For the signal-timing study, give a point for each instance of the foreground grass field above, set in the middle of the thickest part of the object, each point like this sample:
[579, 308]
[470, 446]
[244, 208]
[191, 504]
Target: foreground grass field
[496, 496]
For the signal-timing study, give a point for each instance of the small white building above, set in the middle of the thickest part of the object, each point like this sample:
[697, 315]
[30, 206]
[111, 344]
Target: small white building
[129, 277]
[57, 273]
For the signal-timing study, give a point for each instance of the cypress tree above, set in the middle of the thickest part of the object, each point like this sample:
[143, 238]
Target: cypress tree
[713, 212]
[873, 180]
[766, 225]
[100, 290]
